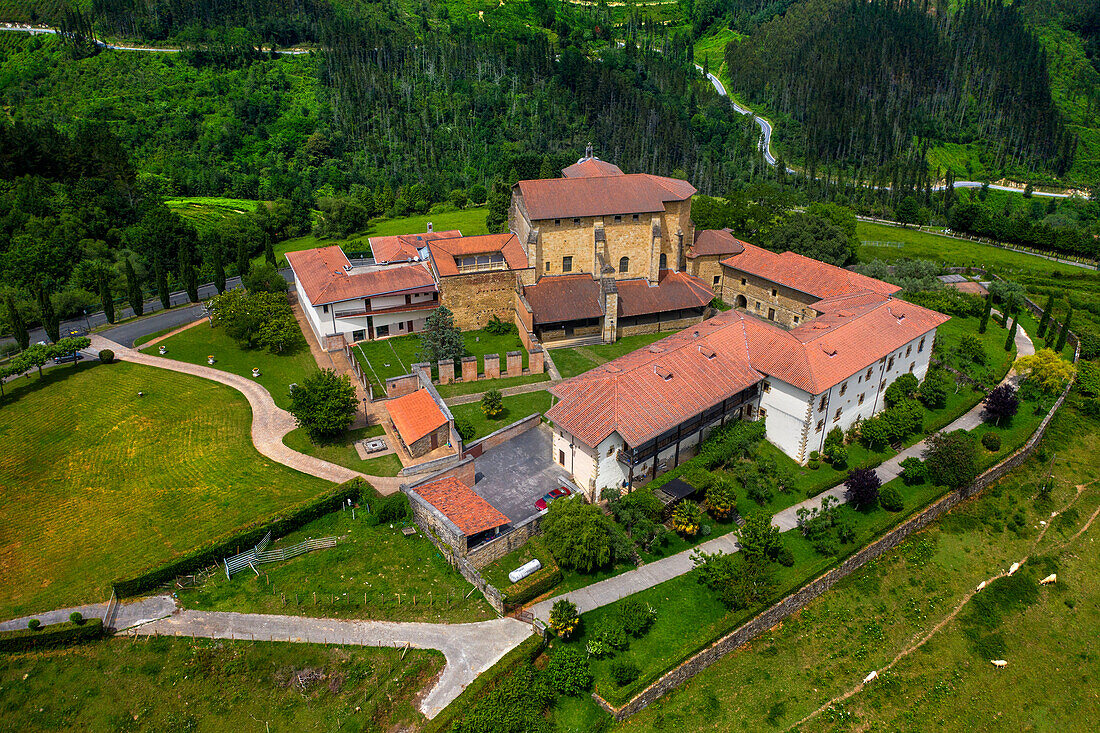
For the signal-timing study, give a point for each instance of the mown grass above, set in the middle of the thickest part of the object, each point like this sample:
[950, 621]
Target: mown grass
[361, 577]
[575, 360]
[277, 371]
[515, 408]
[341, 451]
[99, 482]
[207, 213]
[865, 620]
[457, 389]
[160, 684]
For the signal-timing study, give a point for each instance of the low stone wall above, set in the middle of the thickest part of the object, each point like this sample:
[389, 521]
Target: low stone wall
[677, 325]
[495, 438]
[496, 548]
[801, 597]
[403, 385]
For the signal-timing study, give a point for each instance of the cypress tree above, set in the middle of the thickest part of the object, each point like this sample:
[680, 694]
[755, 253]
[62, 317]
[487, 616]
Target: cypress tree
[105, 296]
[18, 326]
[1065, 332]
[985, 314]
[242, 258]
[133, 289]
[1044, 322]
[1012, 334]
[269, 253]
[162, 285]
[187, 272]
[48, 314]
[216, 255]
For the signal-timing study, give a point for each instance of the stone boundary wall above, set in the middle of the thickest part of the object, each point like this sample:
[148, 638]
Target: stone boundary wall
[498, 547]
[814, 588]
[506, 433]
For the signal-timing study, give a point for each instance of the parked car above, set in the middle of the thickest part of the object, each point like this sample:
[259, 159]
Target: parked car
[555, 494]
[70, 357]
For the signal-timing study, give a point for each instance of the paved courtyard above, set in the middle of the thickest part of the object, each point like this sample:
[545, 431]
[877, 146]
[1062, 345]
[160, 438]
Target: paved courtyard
[515, 474]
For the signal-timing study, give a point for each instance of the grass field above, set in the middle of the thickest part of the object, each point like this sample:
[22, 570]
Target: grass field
[99, 482]
[359, 578]
[575, 360]
[515, 407]
[166, 684]
[342, 451]
[277, 371]
[467, 221]
[868, 618]
[463, 388]
[207, 213]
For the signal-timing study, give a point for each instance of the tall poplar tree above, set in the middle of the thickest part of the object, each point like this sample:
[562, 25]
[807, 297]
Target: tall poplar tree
[133, 289]
[15, 320]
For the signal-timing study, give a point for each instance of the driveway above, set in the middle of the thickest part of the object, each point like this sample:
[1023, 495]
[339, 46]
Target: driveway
[516, 474]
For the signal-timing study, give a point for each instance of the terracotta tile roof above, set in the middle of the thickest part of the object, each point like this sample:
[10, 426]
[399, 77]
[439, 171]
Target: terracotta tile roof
[445, 251]
[632, 396]
[564, 298]
[812, 277]
[634, 193]
[715, 242]
[404, 247]
[675, 290]
[415, 415]
[322, 275]
[462, 505]
[646, 392]
[588, 167]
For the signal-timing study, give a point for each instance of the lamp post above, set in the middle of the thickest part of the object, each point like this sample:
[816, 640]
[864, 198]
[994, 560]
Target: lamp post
[366, 420]
[87, 323]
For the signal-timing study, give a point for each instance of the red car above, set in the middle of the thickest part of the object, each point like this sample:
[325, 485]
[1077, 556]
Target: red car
[555, 494]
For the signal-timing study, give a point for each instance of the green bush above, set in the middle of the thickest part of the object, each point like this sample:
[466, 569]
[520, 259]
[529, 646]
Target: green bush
[569, 672]
[533, 585]
[51, 636]
[34, 624]
[991, 442]
[623, 672]
[394, 508]
[813, 465]
[106, 356]
[465, 430]
[912, 471]
[211, 553]
[636, 617]
[76, 617]
[890, 499]
[785, 557]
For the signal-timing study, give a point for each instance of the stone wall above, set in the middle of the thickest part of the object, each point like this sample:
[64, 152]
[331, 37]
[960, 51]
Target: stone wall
[706, 268]
[446, 371]
[787, 302]
[659, 327]
[492, 366]
[811, 590]
[488, 552]
[403, 385]
[558, 334]
[514, 362]
[419, 447]
[536, 361]
[476, 297]
[469, 369]
[506, 433]
[335, 342]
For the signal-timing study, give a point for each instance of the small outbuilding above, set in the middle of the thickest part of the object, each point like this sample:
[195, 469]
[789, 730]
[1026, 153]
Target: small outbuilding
[455, 513]
[419, 422]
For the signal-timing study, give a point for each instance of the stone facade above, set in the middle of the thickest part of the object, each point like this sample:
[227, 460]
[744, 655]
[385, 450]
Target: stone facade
[786, 306]
[492, 366]
[431, 441]
[446, 371]
[658, 326]
[496, 548]
[476, 297]
[469, 369]
[536, 361]
[708, 269]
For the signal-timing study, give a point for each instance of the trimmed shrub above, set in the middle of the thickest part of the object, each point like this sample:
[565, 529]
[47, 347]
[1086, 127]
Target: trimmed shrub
[34, 624]
[106, 356]
[76, 617]
[51, 636]
[533, 585]
[569, 672]
[623, 672]
[890, 499]
[215, 550]
[785, 557]
[465, 429]
[394, 508]
[813, 465]
[636, 617]
[912, 471]
[991, 442]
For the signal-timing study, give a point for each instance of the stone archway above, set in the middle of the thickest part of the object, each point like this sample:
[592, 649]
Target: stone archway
[741, 302]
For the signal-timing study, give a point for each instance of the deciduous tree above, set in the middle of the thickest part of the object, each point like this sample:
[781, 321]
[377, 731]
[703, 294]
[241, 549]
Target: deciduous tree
[1001, 404]
[951, 459]
[862, 487]
[324, 404]
[1046, 370]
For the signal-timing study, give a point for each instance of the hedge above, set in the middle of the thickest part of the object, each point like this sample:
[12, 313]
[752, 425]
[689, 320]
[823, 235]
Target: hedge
[54, 635]
[533, 585]
[525, 653]
[214, 551]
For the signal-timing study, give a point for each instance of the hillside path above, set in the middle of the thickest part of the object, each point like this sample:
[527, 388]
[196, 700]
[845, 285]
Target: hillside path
[654, 573]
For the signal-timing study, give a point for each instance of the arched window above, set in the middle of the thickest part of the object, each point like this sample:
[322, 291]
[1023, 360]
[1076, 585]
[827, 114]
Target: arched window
[624, 264]
[664, 261]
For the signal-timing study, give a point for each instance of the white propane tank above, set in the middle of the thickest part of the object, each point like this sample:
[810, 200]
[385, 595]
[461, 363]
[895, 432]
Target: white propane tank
[524, 570]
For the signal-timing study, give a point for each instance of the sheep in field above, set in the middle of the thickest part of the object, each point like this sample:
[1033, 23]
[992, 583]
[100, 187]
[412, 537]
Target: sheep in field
[868, 678]
[981, 585]
[1052, 578]
[1015, 566]
[998, 662]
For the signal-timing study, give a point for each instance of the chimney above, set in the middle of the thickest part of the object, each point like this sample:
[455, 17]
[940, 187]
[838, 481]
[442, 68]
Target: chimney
[429, 227]
[588, 152]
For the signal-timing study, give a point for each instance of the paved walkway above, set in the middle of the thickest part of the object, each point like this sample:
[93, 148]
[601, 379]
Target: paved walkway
[651, 574]
[466, 399]
[269, 422]
[127, 615]
[470, 649]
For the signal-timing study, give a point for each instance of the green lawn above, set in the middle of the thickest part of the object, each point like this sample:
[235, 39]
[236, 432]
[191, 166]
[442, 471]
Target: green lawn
[957, 252]
[99, 482]
[868, 618]
[468, 221]
[515, 407]
[342, 451]
[809, 482]
[575, 360]
[456, 389]
[497, 572]
[359, 578]
[162, 684]
[207, 213]
[277, 371]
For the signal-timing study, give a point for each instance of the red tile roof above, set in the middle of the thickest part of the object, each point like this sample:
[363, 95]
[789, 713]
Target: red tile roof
[812, 277]
[588, 167]
[404, 247]
[322, 275]
[632, 396]
[462, 505]
[446, 251]
[634, 193]
[715, 242]
[675, 290]
[564, 298]
[415, 415]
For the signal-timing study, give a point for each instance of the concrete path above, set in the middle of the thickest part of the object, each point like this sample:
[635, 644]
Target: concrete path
[140, 611]
[269, 422]
[466, 399]
[654, 573]
[470, 649]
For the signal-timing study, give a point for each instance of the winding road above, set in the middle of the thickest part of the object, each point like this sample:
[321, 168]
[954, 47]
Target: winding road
[766, 146]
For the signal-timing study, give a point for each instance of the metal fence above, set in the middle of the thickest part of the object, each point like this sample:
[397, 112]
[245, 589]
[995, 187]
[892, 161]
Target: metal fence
[260, 554]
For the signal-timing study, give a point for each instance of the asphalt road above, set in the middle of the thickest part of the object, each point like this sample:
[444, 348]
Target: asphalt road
[35, 30]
